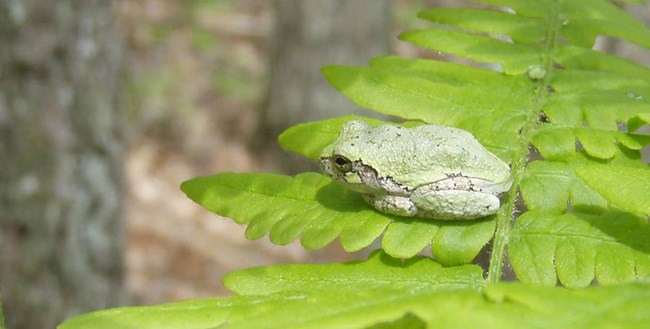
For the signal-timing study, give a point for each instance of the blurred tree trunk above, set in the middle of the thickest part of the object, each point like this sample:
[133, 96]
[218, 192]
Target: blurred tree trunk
[632, 51]
[307, 35]
[626, 49]
[60, 160]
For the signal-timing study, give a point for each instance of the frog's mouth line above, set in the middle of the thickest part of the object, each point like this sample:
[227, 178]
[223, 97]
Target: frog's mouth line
[370, 177]
[363, 178]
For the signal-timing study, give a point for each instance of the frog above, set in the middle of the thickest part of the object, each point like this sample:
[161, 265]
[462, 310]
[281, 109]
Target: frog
[427, 171]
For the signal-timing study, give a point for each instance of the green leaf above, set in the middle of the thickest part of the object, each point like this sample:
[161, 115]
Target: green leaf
[522, 29]
[576, 248]
[408, 238]
[379, 272]
[480, 101]
[193, 314]
[529, 25]
[579, 26]
[552, 186]
[501, 306]
[638, 120]
[313, 207]
[518, 58]
[595, 99]
[634, 185]
[619, 306]
[310, 138]
[514, 58]
[559, 143]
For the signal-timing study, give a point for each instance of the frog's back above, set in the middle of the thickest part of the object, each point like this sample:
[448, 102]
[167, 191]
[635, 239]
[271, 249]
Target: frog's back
[423, 153]
[454, 151]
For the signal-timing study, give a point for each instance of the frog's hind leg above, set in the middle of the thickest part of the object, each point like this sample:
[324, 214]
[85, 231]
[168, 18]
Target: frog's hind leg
[392, 204]
[453, 204]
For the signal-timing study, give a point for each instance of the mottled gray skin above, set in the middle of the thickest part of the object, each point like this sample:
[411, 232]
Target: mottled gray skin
[429, 171]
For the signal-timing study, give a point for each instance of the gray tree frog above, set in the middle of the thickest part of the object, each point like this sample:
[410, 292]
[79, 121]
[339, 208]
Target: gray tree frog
[428, 171]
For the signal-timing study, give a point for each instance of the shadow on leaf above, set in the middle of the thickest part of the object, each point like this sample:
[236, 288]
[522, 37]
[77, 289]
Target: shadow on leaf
[408, 321]
[626, 228]
[337, 197]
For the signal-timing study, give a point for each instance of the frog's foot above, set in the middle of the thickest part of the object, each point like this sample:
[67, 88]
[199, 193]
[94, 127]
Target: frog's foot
[392, 204]
[453, 204]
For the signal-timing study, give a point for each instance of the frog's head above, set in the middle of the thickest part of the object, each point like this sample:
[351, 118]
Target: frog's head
[341, 160]
[351, 173]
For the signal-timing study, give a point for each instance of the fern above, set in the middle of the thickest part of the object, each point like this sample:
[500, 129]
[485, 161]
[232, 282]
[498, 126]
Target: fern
[586, 209]
[380, 291]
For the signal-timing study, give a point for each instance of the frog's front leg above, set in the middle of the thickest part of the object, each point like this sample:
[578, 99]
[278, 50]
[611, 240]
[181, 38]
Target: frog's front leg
[455, 198]
[392, 204]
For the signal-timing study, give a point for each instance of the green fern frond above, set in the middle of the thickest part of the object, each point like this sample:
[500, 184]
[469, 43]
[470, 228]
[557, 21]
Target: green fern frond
[633, 198]
[381, 290]
[555, 93]
[489, 104]
[566, 99]
[558, 177]
[504, 306]
[314, 208]
[378, 272]
[581, 22]
[576, 248]
[310, 138]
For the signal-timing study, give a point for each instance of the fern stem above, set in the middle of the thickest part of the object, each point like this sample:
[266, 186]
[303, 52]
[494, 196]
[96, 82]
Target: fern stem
[506, 216]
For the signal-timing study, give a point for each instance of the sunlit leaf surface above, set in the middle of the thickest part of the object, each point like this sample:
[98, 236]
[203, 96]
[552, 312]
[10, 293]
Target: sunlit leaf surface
[383, 292]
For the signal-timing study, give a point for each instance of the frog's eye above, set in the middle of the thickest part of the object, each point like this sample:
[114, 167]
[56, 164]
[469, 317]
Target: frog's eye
[342, 163]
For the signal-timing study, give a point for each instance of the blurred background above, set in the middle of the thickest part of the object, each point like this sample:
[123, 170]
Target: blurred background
[107, 106]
